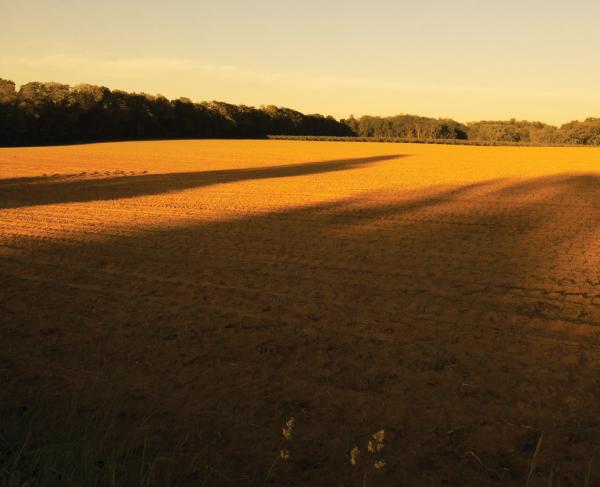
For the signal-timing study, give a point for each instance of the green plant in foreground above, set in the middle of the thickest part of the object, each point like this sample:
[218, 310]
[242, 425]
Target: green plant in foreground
[284, 452]
[375, 447]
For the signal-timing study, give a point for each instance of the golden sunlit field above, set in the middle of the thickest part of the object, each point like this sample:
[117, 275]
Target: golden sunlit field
[208, 291]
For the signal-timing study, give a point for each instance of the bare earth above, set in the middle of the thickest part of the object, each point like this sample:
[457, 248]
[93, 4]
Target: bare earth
[449, 295]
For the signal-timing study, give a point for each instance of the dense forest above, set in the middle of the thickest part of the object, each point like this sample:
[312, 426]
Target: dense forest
[56, 113]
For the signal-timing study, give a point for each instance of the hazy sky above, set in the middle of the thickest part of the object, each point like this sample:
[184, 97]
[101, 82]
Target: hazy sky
[465, 59]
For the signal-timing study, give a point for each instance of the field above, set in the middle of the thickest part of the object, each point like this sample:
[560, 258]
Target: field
[204, 292]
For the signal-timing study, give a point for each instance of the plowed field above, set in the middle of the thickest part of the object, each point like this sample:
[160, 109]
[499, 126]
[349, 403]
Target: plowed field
[210, 290]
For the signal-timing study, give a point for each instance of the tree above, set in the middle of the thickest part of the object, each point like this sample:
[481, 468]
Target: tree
[8, 98]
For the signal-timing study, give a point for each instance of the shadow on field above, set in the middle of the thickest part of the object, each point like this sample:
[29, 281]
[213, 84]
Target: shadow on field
[458, 320]
[19, 192]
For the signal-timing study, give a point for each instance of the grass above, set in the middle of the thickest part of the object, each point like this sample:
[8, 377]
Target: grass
[86, 449]
[81, 451]
[74, 450]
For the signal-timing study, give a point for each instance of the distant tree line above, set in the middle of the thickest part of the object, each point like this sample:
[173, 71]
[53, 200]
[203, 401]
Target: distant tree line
[406, 127]
[56, 113]
[411, 127]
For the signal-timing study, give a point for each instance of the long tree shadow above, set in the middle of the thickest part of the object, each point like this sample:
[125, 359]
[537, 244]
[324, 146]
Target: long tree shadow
[455, 319]
[19, 192]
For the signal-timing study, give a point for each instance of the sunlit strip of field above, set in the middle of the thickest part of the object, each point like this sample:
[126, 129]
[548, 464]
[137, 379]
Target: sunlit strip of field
[222, 179]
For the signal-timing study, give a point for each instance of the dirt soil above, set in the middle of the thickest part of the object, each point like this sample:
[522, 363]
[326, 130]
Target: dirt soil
[448, 295]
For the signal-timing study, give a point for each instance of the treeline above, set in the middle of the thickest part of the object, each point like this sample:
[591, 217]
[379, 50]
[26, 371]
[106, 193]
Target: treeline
[56, 113]
[414, 128]
[406, 127]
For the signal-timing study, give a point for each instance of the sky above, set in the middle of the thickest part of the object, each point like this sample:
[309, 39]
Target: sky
[464, 59]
